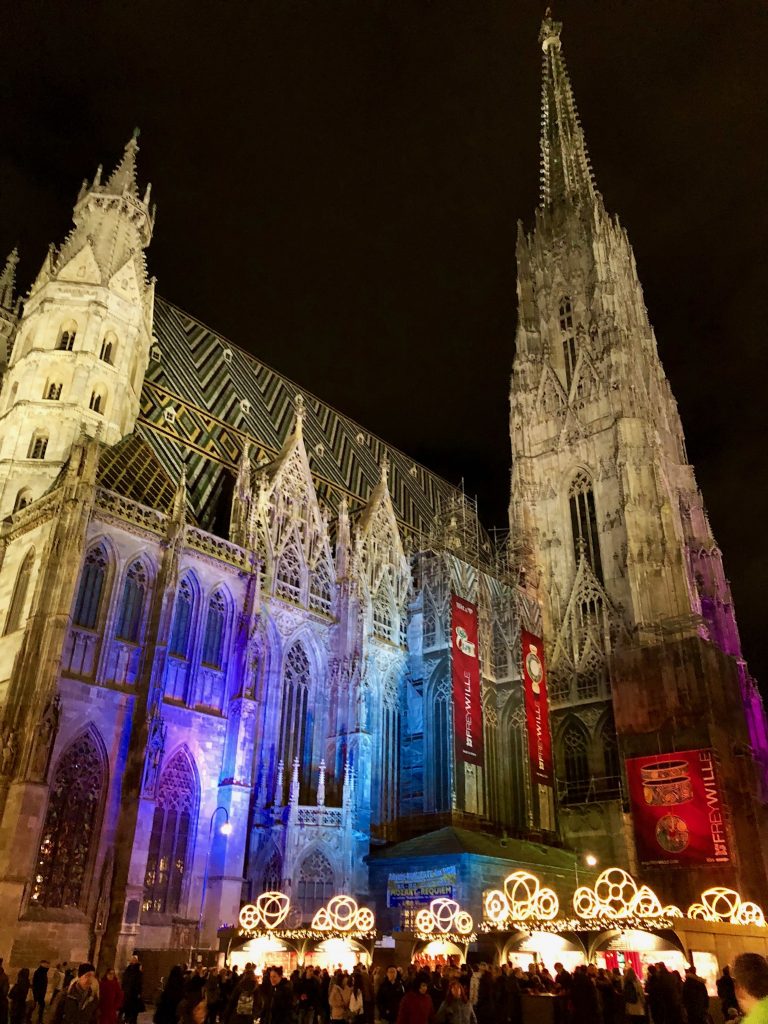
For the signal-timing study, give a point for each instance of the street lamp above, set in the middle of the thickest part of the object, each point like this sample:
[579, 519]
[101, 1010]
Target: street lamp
[590, 860]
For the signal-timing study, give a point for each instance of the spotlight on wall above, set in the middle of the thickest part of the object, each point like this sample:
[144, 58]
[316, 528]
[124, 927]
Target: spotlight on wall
[590, 860]
[226, 829]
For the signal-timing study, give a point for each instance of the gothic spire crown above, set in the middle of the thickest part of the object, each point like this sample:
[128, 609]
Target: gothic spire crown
[566, 171]
[8, 281]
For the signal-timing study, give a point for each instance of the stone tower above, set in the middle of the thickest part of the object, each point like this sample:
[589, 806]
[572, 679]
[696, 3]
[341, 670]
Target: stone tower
[643, 648]
[9, 310]
[82, 343]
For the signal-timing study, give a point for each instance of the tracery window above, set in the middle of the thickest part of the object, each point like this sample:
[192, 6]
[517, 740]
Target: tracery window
[272, 877]
[390, 759]
[182, 620]
[430, 623]
[382, 614]
[213, 642]
[96, 403]
[171, 841]
[584, 522]
[610, 747]
[295, 731]
[499, 652]
[70, 831]
[132, 604]
[320, 588]
[315, 886]
[38, 446]
[569, 340]
[53, 392]
[18, 603]
[88, 600]
[108, 346]
[517, 795]
[288, 574]
[576, 760]
[441, 751]
[67, 337]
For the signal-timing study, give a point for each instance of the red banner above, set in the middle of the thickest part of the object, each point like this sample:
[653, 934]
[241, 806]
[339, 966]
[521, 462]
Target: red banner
[465, 668]
[677, 808]
[537, 710]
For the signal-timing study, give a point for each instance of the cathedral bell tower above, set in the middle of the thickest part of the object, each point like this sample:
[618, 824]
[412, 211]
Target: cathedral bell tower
[82, 343]
[643, 649]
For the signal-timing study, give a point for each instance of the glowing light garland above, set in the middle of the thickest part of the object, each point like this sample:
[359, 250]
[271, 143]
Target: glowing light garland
[342, 914]
[616, 896]
[726, 905]
[523, 899]
[269, 911]
[444, 916]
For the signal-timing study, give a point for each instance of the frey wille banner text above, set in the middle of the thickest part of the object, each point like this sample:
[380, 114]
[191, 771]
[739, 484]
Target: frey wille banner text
[677, 808]
[465, 667]
[537, 710]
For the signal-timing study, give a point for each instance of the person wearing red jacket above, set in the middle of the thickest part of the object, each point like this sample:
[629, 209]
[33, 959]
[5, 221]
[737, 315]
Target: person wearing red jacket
[416, 1006]
[110, 998]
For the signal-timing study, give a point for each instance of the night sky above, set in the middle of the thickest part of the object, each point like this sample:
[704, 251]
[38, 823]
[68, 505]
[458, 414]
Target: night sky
[338, 184]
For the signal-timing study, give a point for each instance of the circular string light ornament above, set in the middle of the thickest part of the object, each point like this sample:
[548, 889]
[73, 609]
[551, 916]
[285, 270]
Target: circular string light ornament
[444, 915]
[722, 904]
[342, 914]
[269, 911]
[615, 891]
[496, 906]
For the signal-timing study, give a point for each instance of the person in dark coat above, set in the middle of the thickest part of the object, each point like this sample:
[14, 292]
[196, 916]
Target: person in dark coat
[277, 1007]
[485, 1007]
[586, 1005]
[726, 992]
[4, 988]
[388, 997]
[245, 1003]
[40, 987]
[695, 998]
[670, 990]
[110, 998]
[133, 984]
[17, 997]
[166, 1011]
[80, 1003]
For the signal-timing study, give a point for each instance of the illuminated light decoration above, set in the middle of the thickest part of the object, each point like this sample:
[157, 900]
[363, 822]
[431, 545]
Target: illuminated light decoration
[269, 911]
[342, 914]
[523, 899]
[444, 915]
[726, 905]
[616, 896]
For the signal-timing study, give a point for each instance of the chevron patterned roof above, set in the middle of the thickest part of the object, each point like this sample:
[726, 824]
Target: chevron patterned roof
[204, 398]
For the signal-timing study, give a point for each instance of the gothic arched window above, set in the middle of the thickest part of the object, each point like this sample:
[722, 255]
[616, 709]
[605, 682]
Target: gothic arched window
[23, 498]
[390, 758]
[320, 588]
[272, 876]
[38, 445]
[382, 613]
[430, 623]
[67, 336]
[52, 391]
[132, 604]
[88, 600]
[575, 744]
[182, 620]
[499, 652]
[584, 522]
[70, 831]
[295, 726]
[569, 340]
[441, 751]
[19, 596]
[108, 347]
[97, 402]
[610, 747]
[171, 840]
[315, 886]
[515, 794]
[213, 641]
[288, 574]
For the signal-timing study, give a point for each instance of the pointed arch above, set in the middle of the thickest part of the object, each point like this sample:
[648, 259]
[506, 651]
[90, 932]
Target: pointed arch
[90, 591]
[565, 321]
[440, 745]
[383, 617]
[515, 790]
[272, 871]
[132, 602]
[581, 502]
[574, 751]
[67, 335]
[431, 622]
[295, 718]
[315, 883]
[17, 607]
[389, 731]
[171, 842]
[608, 744]
[187, 597]
[289, 572]
[216, 620]
[72, 824]
[320, 588]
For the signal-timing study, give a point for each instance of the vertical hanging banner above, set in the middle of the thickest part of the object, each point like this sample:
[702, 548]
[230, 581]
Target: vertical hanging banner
[537, 710]
[465, 670]
[677, 808]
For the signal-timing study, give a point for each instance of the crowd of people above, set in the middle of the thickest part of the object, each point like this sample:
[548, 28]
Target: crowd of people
[445, 994]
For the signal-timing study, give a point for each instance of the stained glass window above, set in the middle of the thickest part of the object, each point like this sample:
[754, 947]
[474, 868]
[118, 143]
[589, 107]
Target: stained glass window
[19, 596]
[315, 884]
[131, 606]
[213, 643]
[88, 600]
[295, 732]
[170, 843]
[71, 827]
[182, 619]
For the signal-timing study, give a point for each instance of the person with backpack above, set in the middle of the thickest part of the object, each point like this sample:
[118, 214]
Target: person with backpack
[634, 997]
[245, 1003]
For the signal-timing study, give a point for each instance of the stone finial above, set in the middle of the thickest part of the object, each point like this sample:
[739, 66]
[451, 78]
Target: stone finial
[279, 782]
[321, 786]
[293, 796]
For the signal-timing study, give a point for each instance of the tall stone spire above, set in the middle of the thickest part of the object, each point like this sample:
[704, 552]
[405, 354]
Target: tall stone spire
[566, 173]
[8, 281]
